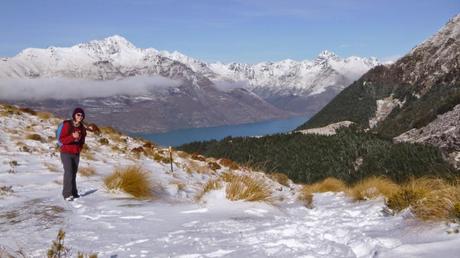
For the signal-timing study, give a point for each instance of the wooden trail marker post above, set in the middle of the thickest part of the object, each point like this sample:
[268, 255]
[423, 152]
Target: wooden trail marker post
[170, 158]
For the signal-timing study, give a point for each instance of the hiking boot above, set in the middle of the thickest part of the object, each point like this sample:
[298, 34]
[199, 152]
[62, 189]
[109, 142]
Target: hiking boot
[69, 199]
[76, 196]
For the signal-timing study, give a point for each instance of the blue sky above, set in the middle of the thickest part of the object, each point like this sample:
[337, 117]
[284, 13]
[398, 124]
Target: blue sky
[229, 30]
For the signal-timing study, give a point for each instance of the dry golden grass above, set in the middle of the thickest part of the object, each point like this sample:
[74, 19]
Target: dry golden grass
[44, 115]
[229, 163]
[427, 198]
[157, 156]
[132, 180]
[199, 157]
[35, 137]
[51, 167]
[214, 166]
[103, 141]
[329, 184]
[436, 205]
[306, 196]
[87, 171]
[182, 154]
[247, 188]
[28, 111]
[212, 184]
[373, 187]
[281, 178]
[197, 167]
[413, 191]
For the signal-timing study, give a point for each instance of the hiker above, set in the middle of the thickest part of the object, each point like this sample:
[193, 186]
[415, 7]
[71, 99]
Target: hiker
[72, 139]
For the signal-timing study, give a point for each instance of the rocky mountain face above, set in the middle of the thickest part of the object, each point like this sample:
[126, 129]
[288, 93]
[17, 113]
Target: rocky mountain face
[443, 132]
[407, 97]
[203, 94]
[297, 86]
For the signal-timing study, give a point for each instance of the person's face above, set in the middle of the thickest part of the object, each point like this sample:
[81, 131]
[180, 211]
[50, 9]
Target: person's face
[78, 117]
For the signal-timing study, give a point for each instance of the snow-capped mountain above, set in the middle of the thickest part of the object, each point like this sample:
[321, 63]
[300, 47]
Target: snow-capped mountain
[292, 85]
[238, 93]
[193, 101]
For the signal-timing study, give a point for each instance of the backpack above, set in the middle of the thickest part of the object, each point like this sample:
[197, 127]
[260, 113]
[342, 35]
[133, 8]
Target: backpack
[59, 131]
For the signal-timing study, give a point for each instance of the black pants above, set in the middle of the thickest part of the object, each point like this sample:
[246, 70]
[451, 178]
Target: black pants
[70, 163]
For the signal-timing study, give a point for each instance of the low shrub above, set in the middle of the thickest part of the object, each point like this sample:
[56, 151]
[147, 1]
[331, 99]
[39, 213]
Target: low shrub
[243, 187]
[132, 180]
[373, 187]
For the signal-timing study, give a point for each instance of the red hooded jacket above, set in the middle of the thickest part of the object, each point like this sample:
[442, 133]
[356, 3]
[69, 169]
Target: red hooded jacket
[70, 144]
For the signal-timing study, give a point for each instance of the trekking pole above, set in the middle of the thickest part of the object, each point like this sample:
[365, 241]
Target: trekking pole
[170, 158]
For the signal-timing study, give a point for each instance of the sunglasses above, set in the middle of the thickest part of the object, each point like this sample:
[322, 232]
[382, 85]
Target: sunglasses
[78, 114]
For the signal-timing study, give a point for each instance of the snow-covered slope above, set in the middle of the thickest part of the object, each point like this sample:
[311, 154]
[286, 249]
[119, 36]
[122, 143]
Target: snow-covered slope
[297, 77]
[174, 224]
[287, 84]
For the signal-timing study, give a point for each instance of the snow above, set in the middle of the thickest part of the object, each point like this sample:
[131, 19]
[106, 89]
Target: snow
[327, 130]
[114, 58]
[174, 224]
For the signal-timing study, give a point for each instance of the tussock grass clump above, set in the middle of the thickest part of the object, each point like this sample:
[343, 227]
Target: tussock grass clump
[306, 196]
[132, 180]
[229, 163]
[87, 171]
[183, 154]
[104, 141]
[247, 188]
[214, 166]
[212, 184]
[373, 187]
[35, 137]
[44, 115]
[329, 184]
[196, 156]
[160, 158]
[28, 111]
[427, 198]
[281, 178]
[436, 205]
[193, 166]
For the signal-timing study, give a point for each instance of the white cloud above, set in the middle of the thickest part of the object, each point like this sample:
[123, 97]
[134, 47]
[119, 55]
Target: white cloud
[62, 88]
[230, 85]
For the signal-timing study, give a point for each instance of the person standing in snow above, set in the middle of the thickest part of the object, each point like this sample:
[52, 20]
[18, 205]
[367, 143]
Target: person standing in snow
[72, 138]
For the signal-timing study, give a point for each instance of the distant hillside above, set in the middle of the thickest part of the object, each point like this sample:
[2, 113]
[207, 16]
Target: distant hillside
[349, 155]
[408, 94]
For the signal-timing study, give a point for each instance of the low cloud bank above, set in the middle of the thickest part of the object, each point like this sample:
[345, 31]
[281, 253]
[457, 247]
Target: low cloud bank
[231, 85]
[62, 88]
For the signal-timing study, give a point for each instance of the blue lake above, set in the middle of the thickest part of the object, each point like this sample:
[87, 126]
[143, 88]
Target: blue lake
[182, 136]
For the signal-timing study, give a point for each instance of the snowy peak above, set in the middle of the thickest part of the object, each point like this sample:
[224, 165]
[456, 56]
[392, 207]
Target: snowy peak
[109, 45]
[326, 55]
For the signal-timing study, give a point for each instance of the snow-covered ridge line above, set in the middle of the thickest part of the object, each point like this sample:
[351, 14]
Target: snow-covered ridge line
[115, 57]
